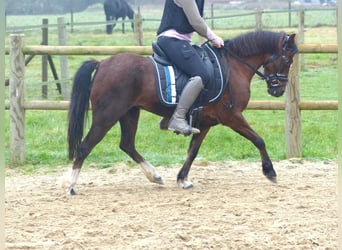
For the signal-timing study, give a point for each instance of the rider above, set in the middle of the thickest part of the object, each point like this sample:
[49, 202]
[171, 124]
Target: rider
[181, 18]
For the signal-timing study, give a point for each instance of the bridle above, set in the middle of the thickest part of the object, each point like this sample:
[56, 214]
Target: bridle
[274, 79]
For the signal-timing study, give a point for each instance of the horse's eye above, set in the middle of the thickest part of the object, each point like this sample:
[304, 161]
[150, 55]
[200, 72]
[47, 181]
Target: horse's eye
[288, 61]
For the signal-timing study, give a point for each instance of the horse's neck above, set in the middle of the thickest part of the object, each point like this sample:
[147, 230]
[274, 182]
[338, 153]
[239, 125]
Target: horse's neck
[256, 61]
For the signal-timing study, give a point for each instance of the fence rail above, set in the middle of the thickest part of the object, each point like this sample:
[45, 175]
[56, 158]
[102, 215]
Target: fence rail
[211, 16]
[252, 105]
[17, 105]
[142, 50]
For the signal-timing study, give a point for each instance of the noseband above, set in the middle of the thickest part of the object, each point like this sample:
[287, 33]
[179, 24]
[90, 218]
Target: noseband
[273, 80]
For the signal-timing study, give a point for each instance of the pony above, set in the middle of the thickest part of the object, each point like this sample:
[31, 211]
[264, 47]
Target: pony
[123, 84]
[115, 9]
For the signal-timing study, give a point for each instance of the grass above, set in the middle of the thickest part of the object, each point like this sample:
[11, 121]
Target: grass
[46, 140]
[46, 145]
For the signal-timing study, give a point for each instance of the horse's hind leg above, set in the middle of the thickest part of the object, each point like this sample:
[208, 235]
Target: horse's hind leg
[94, 136]
[129, 125]
[70, 180]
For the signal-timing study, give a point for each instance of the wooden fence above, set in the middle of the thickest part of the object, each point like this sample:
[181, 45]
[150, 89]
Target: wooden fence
[260, 19]
[17, 105]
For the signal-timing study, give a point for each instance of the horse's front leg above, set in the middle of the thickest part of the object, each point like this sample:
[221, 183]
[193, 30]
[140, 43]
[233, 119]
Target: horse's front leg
[241, 126]
[195, 144]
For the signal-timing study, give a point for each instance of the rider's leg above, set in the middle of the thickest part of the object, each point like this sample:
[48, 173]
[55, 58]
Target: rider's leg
[184, 57]
[190, 92]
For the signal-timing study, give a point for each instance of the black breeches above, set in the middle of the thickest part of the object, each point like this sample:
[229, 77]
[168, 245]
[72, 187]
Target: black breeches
[184, 57]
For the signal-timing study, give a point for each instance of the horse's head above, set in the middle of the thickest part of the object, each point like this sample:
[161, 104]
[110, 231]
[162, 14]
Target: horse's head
[272, 50]
[277, 66]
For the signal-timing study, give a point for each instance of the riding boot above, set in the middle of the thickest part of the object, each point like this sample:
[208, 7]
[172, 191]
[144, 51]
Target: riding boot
[178, 122]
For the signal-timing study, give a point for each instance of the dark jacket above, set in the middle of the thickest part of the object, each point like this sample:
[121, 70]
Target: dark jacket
[174, 18]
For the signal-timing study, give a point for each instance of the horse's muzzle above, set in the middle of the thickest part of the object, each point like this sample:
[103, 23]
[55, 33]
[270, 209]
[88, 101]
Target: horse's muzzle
[276, 92]
[276, 88]
[276, 84]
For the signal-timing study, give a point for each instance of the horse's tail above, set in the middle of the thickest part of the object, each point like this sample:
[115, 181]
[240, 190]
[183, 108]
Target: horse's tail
[79, 105]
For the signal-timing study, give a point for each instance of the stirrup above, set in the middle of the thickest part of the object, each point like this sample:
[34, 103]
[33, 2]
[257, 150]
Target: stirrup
[187, 132]
[184, 129]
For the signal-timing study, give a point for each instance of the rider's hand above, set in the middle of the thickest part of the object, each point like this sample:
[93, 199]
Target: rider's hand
[218, 42]
[215, 39]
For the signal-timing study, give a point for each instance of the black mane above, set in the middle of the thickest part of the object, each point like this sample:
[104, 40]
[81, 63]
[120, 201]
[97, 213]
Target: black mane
[255, 43]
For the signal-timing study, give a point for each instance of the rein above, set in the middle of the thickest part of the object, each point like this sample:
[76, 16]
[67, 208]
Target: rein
[272, 78]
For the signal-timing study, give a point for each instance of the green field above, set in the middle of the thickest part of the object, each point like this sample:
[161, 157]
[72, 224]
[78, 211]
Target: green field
[46, 144]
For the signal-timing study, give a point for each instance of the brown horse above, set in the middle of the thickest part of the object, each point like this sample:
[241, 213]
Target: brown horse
[125, 83]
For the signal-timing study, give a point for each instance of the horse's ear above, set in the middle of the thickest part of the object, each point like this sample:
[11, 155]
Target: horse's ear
[291, 40]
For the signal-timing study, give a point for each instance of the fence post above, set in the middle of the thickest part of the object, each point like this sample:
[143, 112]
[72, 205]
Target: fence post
[17, 111]
[45, 59]
[212, 15]
[138, 30]
[71, 20]
[292, 113]
[301, 36]
[63, 60]
[290, 13]
[258, 19]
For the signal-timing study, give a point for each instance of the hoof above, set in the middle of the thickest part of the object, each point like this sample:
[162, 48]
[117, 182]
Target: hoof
[188, 185]
[71, 191]
[185, 184]
[158, 180]
[272, 176]
[272, 179]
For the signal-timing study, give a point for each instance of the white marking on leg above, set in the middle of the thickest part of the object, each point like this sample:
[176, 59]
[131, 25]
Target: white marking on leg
[185, 184]
[151, 173]
[69, 181]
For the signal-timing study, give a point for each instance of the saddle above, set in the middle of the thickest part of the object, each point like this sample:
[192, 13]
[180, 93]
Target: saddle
[171, 80]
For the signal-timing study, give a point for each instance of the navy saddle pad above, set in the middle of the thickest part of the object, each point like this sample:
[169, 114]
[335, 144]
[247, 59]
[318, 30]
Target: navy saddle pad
[171, 80]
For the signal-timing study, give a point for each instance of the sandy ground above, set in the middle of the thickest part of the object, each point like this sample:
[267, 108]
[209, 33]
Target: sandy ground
[232, 206]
